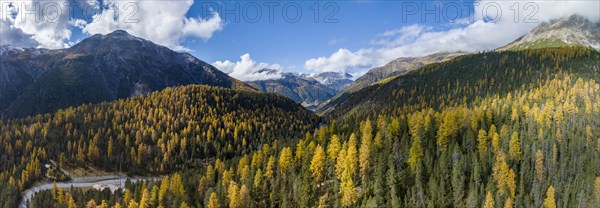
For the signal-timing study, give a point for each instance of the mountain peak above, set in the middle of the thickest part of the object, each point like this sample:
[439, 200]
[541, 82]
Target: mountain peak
[116, 41]
[115, 35]
[120, 32]
[572, 30]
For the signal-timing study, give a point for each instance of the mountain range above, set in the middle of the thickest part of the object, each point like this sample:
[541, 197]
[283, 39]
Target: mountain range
[513, 127]
[99, 68]
[119, 65]
[572, 31]
[308, 90]
[320, 91]
[394, 68]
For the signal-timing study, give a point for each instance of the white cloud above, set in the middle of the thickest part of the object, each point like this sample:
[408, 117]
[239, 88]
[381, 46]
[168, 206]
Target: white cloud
[163, 22]
[15, 36]
[28, 26]
[400, 36]
[340, 61]
[247, 69]
[477, 35]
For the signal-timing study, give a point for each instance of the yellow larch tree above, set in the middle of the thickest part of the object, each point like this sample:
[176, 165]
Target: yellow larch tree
[549, 200]
[317, 164]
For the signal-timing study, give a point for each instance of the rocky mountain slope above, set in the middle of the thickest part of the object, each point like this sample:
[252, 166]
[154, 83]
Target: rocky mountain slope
[573, 30]
[99, 68]
[337, 81]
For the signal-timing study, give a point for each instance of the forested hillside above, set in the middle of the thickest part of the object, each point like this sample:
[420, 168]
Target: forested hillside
[495, 129]
[392, 69]
[466, 80]
[159, 133]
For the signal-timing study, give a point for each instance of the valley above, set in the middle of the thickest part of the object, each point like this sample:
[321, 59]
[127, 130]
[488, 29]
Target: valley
[515, 126]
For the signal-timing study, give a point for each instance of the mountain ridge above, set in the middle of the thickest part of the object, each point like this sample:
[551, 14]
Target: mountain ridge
[572, 30]
[99, 68]
[308, 90]
[393, 68]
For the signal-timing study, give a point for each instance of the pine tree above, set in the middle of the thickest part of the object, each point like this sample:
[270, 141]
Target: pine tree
[154, 196]
[540, 169]
[270, 166]
[91, 204]
[415, 153]
[144, 202]
[549, 201]
[340, 162]
[285, 159]
[133, 204]
[351, 156]
[244, 197]
[495, 142]
[234, 198]
[317, 164]
[509, 203]
[365, 151]
[323, 201]
[333, 148]
[176, 185]
[70, 201]
[489, 201]
[213, 201]
[447, 130]
[127, 197]
[164, 187]
[258, 179]
[482, 144]
[514, 149]
[347, 189]
[458, 180]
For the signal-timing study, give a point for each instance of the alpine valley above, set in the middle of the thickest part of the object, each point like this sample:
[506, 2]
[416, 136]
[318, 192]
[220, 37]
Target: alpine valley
[118, 121]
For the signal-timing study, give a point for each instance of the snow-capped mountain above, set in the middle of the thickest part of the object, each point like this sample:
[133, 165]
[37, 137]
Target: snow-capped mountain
[334, 80]
[310, 90]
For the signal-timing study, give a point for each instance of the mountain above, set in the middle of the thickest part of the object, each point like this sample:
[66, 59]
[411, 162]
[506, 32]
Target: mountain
[308, 90]
[99, 68]
[507, 128]
[394, 68]
[487, 74]
[337, 81]
[500, 128]
[572, 30]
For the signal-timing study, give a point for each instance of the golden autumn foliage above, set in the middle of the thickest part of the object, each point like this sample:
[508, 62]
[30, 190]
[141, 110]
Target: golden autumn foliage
[549, 201]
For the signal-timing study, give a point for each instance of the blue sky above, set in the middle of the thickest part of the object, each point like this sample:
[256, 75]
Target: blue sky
[348, 36]
[291, 44]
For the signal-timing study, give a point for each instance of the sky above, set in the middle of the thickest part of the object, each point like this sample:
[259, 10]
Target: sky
[242, 37]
